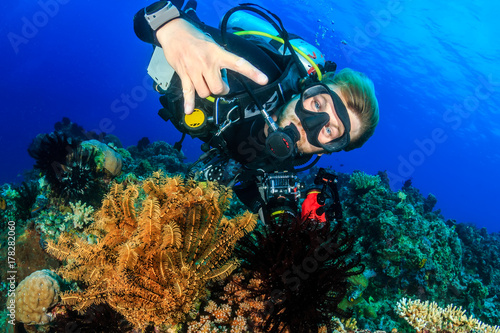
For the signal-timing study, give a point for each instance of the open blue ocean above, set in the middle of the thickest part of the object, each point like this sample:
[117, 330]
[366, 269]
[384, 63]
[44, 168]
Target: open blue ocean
[435, 68]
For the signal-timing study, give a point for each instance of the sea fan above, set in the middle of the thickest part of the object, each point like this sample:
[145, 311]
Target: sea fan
[303, 266]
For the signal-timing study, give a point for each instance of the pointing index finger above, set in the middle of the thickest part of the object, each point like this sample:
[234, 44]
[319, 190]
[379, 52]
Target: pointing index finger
[242, 66]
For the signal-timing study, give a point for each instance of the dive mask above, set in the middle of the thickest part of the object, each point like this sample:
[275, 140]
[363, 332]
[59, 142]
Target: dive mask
[313, 121]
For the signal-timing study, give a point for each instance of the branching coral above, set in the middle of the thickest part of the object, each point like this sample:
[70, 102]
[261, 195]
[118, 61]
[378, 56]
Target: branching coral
[158, 245]
[81, 215]
[428, 317]
[232, 309]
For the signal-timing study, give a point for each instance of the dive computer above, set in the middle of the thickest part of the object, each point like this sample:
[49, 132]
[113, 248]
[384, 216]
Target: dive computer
[160, 13]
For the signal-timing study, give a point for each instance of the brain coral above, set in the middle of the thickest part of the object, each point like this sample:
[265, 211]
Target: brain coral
[35, 295]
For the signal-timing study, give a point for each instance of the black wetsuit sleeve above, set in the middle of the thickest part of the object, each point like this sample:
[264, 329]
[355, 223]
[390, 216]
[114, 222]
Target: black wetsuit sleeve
[142, 28]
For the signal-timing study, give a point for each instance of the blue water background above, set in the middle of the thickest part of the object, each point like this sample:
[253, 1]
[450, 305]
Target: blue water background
[435, 65]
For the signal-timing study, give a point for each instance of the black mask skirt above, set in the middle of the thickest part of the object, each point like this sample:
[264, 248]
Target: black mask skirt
[313, 122]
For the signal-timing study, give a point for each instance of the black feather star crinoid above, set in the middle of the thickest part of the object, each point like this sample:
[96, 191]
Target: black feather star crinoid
[303, 266]
[70, 170]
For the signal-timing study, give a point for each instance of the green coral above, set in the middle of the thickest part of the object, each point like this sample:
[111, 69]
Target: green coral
[363, 182]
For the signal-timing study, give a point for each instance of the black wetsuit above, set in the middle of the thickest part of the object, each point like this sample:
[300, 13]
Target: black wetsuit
[245, 139]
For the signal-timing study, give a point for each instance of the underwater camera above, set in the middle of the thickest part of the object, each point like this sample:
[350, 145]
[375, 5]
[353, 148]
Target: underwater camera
[281, 192]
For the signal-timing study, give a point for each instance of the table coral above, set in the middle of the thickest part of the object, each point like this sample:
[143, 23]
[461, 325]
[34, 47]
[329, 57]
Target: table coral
[35, 295]
[158, 245]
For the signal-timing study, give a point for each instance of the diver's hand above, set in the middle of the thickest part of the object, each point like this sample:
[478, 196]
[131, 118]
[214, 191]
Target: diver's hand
[198, 61]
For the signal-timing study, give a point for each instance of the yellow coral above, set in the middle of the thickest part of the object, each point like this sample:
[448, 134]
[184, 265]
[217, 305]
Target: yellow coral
[35, 295]
[157, 246]
[429, 317]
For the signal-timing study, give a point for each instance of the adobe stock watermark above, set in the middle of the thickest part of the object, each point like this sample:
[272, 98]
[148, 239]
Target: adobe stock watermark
[31, 26]
[373, 28]
[454, 116]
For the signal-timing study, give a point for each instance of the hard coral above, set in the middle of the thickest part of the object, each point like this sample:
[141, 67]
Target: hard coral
[35, 295]
[429, 317]
[81, 215]
[231, 308]
[158, 245]
[106, 158]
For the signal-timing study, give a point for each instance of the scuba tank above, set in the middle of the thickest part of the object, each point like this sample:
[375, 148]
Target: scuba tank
[250, 24]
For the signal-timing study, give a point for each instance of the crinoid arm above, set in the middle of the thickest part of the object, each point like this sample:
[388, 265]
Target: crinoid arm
[158, 244]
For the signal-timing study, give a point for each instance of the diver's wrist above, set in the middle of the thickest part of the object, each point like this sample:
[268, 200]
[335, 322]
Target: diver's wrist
[169, 30]
[160, 13]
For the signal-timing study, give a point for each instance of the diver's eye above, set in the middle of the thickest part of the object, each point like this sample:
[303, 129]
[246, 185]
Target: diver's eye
[317, 105]
[328, 130]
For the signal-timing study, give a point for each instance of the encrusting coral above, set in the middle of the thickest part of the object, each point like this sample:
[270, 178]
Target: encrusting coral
[428, 317]
[158, 244]
[35, 295]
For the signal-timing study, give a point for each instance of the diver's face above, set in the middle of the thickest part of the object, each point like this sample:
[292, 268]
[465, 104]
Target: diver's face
[332, 130]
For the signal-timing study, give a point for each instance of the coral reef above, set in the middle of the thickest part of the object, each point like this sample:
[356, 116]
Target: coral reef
[155, 156]
[428, 317]
[234, 310]
[409, 249]
[158, 244]
[413, 252]
[35, 295]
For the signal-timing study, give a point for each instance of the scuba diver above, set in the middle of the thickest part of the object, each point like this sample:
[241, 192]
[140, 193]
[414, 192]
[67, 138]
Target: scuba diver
[263, 101]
